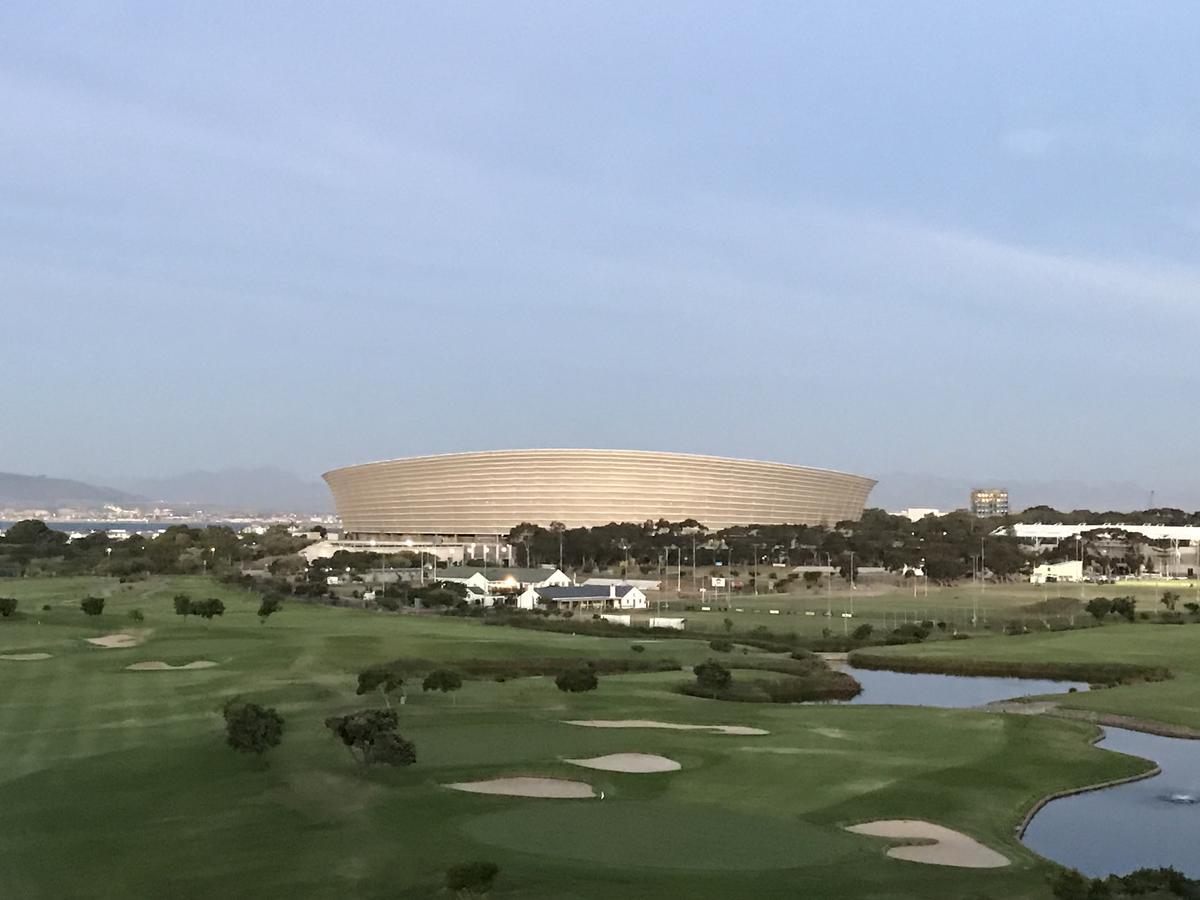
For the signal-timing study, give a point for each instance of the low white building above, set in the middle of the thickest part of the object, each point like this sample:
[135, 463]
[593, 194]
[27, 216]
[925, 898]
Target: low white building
[612, 596]
[667, 622]
[1071, 570]
[503, 580]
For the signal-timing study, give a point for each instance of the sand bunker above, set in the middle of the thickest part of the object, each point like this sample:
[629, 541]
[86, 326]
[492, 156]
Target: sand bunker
[117, 641]
[946, 847]
[628, 762]
[24, 657]
[556, 788]
[648, 723]
[156, 665]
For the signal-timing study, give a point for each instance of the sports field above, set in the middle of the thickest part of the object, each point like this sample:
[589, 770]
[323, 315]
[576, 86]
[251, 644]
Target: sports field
[118, 783]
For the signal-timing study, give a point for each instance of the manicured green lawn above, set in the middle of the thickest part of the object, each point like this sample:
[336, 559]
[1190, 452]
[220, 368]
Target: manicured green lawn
[1175, 701]
[118, 783]
[884, 604]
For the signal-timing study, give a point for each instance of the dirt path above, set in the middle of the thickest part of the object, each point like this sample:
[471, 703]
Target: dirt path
[24, 657]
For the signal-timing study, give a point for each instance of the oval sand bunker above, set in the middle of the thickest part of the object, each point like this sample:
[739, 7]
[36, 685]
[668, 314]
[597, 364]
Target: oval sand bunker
[24, 657]
[116, 641]
[649, 723]
[556, 788]
[156, 665]
[948, 847]
[628, 762]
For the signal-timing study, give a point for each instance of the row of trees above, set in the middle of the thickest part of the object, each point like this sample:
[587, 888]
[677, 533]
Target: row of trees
[32, 547]
[948, 546]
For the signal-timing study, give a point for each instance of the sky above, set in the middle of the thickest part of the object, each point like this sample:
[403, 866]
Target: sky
[947, 238]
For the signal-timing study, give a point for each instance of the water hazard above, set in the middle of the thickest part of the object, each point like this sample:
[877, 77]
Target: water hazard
[947, 691]
[1149, 823]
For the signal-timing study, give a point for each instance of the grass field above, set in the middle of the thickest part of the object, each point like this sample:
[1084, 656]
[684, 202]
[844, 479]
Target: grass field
[118, 783]
[886, 603]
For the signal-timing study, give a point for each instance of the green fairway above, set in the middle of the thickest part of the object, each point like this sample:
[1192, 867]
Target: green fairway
[118, 783]
[888, 602]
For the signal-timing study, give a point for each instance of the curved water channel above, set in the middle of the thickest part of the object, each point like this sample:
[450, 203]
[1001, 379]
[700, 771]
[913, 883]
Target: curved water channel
[1148, 823]
[880, 688]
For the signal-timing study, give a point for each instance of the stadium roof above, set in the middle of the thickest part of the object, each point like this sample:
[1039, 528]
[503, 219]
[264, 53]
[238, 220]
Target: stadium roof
[1058, 532]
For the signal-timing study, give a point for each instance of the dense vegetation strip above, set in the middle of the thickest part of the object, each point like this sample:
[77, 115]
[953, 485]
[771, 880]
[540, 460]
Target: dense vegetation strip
[1093, 672]
[531, 666]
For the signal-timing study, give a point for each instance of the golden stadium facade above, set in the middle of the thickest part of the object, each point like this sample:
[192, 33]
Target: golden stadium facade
[490, 492]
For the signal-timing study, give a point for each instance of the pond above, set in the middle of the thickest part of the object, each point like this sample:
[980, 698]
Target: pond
[1148, 823]
[948, 691]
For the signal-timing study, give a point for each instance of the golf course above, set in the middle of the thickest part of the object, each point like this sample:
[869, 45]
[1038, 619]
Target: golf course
[117, 780]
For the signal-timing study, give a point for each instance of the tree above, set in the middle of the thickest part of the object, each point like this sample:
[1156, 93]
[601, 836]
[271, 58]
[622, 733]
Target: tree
[183, 605]
[472, 877]
[720, 645]
[862, 632]
[712, 677]
[1071, 885]
[578, 680]
[371, 737]
[271, 604]
[728, 624]
[444, 680]
[1099, 607]
[8, 606]
[1170, 600]
[208, 609]
[250, 728]
[93, 606]
[1125, 607]
[379, 678]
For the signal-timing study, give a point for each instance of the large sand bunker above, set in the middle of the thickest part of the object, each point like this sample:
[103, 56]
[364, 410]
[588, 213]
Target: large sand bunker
[628, 762]
[557, 788]
[649, 723]
[118, 641]
[24, 657]
[946, 847]
[156, 665]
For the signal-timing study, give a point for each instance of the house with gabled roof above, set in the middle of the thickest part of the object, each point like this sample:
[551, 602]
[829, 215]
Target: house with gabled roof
[583, 596]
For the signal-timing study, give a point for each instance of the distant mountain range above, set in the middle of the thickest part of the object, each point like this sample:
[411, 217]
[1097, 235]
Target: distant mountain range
[264, 489]
[270, 490]
[261, 490]
[40, 492]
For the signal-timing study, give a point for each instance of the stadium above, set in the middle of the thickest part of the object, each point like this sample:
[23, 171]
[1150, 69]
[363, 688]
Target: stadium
[461, 495]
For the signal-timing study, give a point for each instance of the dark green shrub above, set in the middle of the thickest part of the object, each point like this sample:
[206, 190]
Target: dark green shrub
[577, 680]
[720, 645]
[93, 606]
[8, 606]
[472, 877]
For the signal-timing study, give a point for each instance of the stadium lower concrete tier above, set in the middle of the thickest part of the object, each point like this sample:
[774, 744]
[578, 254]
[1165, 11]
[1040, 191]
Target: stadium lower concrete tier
[489, 493]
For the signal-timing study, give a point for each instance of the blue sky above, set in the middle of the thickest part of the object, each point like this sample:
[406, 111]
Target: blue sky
[953, 238]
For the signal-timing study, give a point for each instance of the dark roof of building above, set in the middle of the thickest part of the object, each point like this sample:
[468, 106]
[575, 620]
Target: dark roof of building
[584, 592]
[521, 575]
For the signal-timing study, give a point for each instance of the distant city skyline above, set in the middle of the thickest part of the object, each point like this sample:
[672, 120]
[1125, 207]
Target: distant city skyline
[925, 238]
